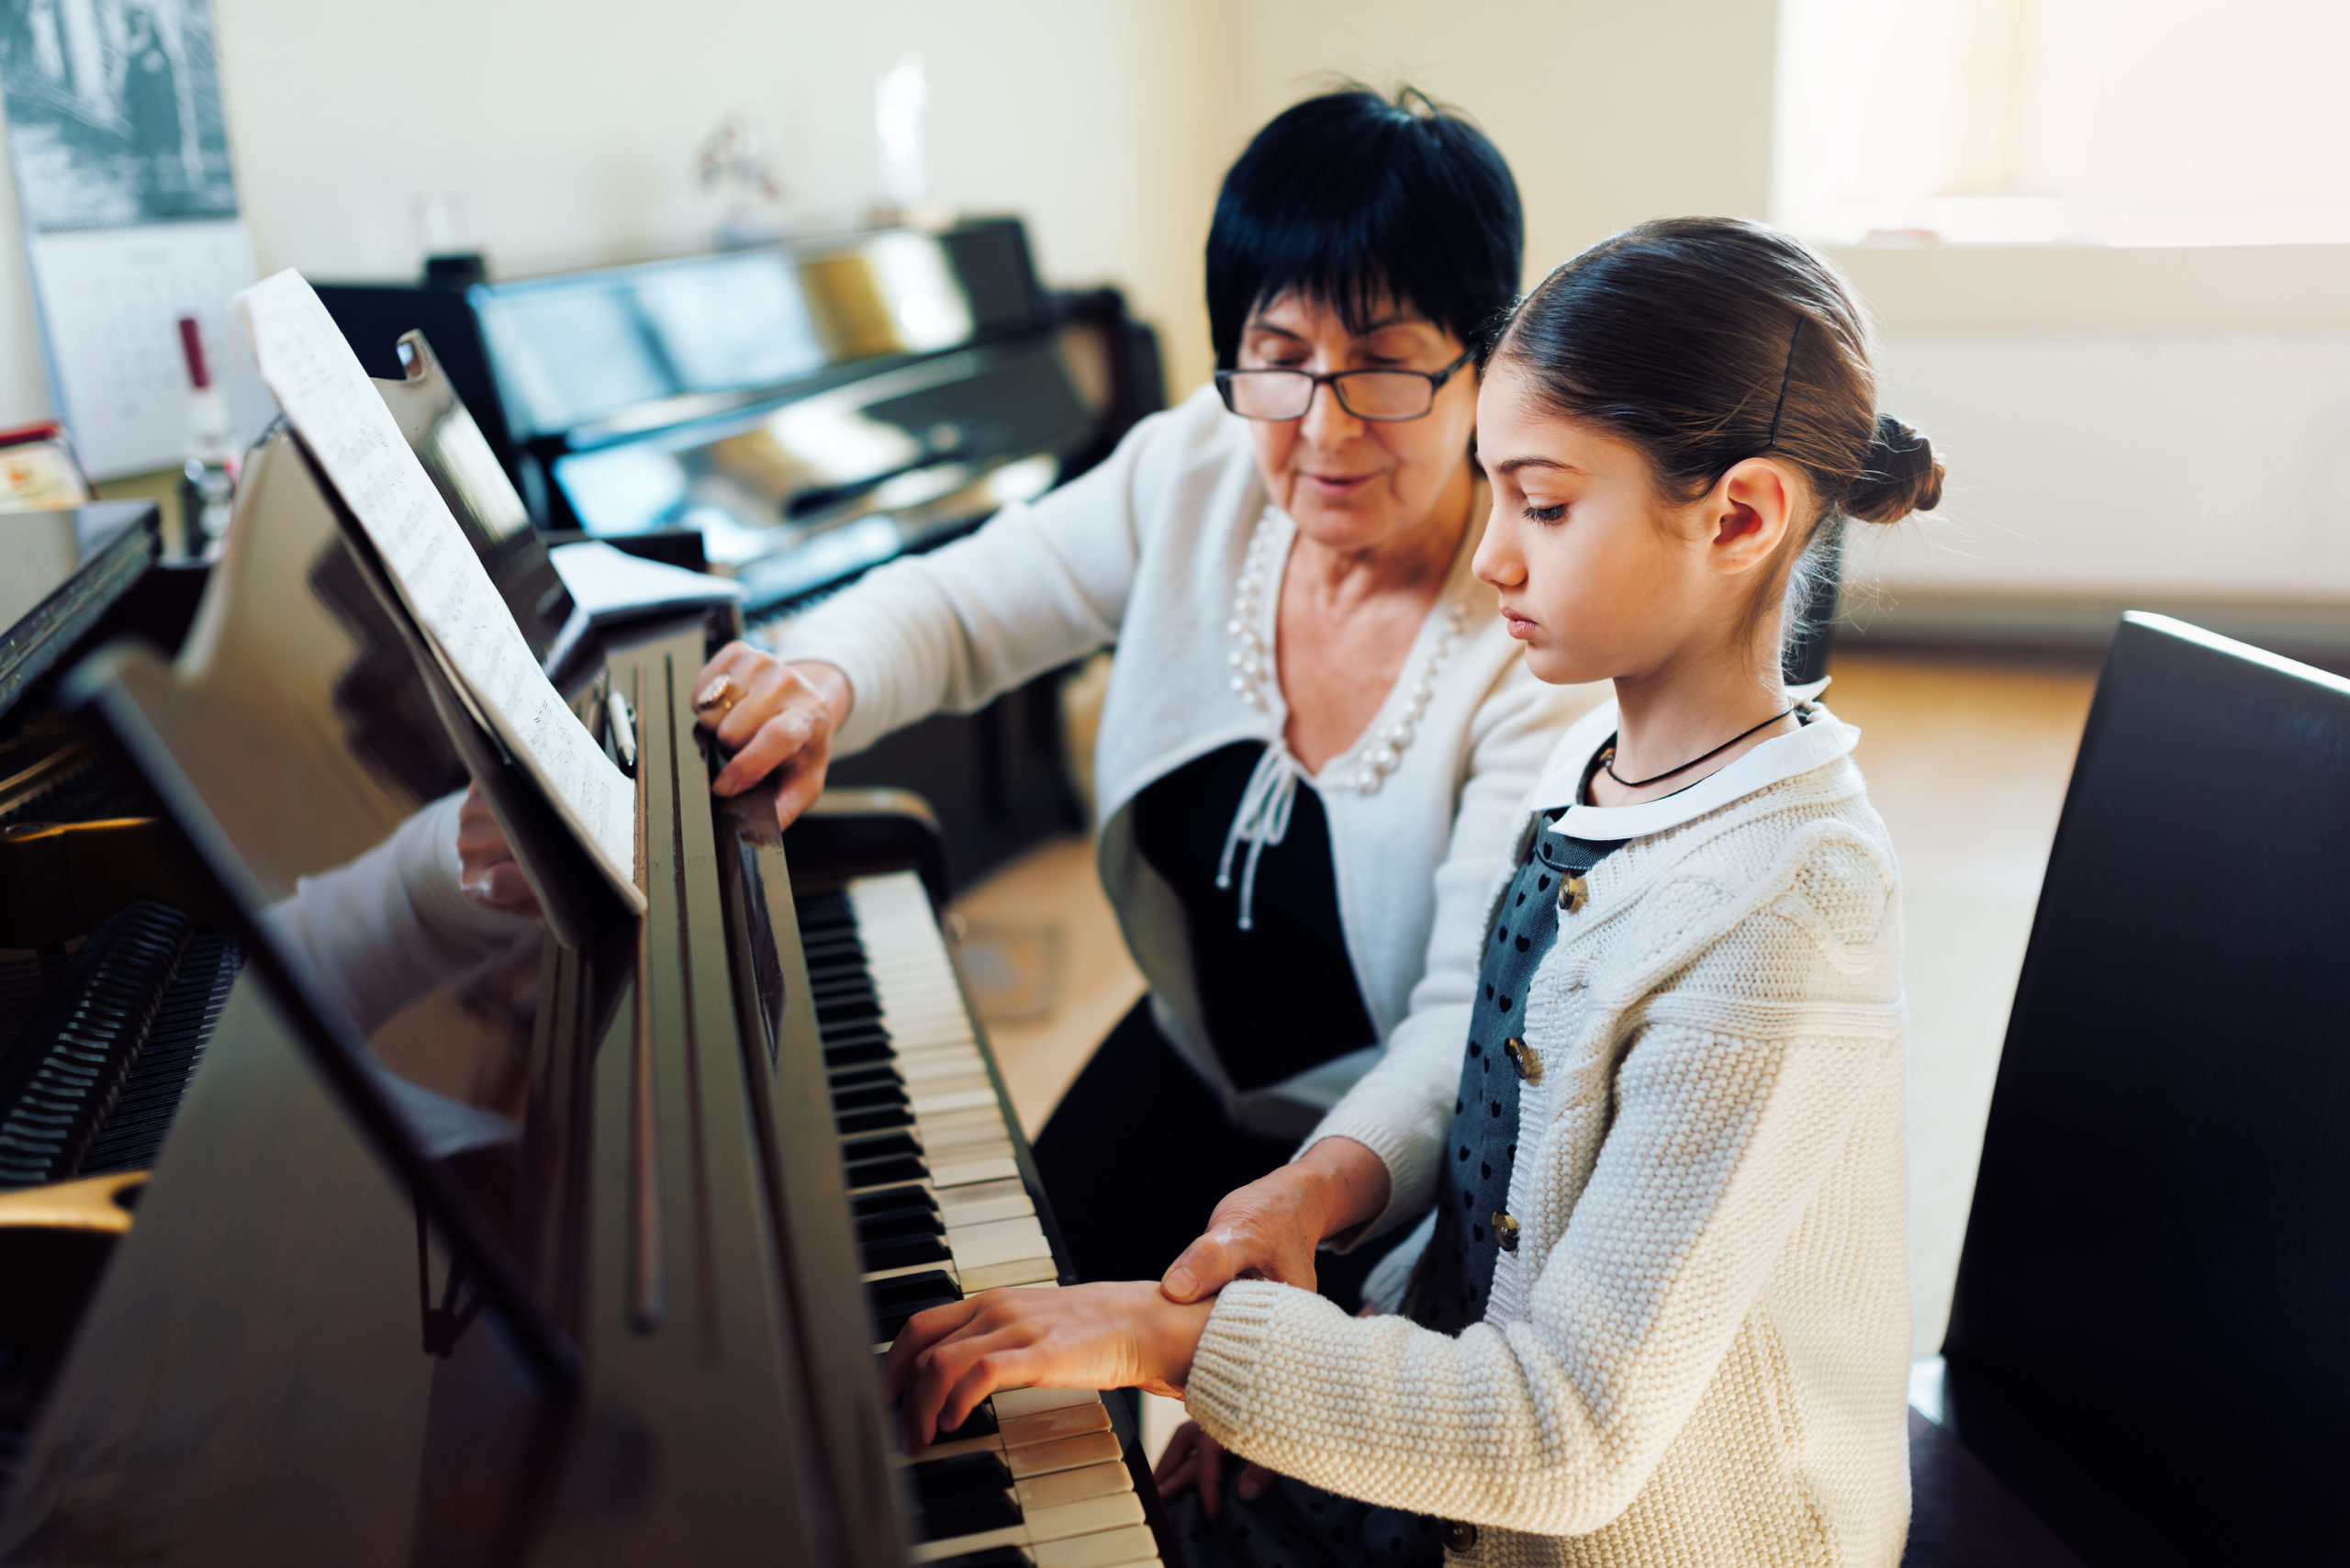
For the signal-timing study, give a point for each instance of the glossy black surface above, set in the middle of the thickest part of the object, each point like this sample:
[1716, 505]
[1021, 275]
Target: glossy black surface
[2145, 1342]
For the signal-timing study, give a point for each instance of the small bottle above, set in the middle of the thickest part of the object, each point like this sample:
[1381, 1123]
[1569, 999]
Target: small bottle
[208, 480]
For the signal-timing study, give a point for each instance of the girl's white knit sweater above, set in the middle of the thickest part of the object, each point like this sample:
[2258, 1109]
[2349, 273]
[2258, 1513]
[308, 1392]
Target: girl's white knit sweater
[1698, 1352]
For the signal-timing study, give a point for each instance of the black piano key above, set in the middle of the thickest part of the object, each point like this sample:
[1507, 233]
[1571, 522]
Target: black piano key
[901, 1223]
[895, 1168]
[857, 1052]
[961, 1478]
[902, 1252]
[894, 1301]
[861, 1075]
[879, 1145]
[873, 1121]
[855, 1011]
[892, 1200]
[968, 1518]
[870, 1096]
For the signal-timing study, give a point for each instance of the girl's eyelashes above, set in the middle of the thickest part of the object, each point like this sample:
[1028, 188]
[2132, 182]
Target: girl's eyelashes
[1546, 514]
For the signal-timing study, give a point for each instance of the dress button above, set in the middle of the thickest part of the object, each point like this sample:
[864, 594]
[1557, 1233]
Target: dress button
[1573, 893]
[1506, 1231]
[1460, 1535]
[1525, 1057]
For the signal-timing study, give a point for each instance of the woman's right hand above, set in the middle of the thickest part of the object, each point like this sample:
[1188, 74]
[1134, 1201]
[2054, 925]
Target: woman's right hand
[1270, 1228]
[776, 719]
[1195, 1459]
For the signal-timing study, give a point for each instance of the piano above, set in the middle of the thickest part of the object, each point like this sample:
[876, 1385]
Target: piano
[795, 414]
[254, 1317]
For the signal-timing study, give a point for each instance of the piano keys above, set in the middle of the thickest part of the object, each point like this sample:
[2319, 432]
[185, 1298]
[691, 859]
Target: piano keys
[284, 1359]
[944, 1206]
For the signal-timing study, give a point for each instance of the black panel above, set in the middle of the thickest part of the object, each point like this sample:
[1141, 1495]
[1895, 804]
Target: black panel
[2147, 1335]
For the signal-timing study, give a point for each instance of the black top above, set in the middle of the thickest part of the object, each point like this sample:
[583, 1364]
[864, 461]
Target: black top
[1280, 997]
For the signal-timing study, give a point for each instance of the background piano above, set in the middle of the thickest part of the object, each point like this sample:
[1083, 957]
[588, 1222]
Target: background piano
[798, 414]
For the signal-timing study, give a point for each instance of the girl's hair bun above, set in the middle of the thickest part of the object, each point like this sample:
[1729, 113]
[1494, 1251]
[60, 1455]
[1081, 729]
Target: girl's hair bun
[1903, 475]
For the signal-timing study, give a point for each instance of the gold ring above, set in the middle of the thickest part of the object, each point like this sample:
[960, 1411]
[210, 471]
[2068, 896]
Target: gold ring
[718, 694]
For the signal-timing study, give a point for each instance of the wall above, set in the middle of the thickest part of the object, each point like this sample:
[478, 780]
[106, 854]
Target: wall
[1608, 113]
[566, 130]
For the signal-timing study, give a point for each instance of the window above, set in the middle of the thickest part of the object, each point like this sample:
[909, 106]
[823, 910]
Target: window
[2122, 122]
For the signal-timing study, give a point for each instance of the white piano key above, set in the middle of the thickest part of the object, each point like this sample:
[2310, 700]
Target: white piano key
[1001, 1249]
[1029, 1401]
[988, 1201]
[1073, 1485]
[1109, 1548]
[964, 1174]
[1086, 1516]
[1067, 1453]
[939, 1135]
[956, 1546]
[925, 1103]
[1053, 1426]
[1004, 1276]
[961, 1234]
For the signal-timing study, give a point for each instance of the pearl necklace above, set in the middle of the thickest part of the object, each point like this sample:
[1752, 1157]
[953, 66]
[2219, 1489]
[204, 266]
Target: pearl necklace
[1381, 750]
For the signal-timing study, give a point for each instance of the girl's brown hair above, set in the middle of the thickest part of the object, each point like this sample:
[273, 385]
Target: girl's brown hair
[1706, 341]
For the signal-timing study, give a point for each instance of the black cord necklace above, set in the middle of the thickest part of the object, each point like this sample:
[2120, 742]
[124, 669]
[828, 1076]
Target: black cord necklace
[1608, 757]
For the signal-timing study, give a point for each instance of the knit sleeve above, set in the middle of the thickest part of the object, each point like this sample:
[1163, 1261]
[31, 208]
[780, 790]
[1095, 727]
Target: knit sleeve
[1737, 1095]
[1401, 1108]
[1038, 586]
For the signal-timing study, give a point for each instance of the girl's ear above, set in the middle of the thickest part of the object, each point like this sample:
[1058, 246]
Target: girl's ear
[1751, 508]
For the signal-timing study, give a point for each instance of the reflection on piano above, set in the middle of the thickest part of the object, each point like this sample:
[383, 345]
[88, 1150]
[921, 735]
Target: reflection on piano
[755, 1130]
[798, 414]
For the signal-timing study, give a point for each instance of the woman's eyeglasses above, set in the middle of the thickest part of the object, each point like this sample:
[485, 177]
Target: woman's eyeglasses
[1381, 395]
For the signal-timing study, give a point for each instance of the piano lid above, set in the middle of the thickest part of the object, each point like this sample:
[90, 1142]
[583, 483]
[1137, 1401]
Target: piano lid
[60, 572]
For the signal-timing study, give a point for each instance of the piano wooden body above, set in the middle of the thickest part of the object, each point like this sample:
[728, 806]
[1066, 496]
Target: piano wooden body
[759, 1126]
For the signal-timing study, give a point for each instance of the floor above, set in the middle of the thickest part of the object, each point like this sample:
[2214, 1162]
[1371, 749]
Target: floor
[1968, 763]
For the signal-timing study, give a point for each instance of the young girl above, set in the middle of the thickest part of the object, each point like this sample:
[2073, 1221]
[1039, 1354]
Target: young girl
[1659, 1312]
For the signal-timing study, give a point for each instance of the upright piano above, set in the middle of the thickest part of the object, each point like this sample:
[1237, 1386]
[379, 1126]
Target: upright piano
[680, 1178]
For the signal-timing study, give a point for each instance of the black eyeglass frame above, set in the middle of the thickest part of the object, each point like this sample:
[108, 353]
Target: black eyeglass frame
[1335, 379]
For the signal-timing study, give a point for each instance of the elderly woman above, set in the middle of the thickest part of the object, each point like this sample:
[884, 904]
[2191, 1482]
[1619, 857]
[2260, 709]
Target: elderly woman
[1316, 726]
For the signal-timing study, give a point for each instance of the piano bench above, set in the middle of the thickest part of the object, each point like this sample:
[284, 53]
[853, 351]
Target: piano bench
[1961, 1516]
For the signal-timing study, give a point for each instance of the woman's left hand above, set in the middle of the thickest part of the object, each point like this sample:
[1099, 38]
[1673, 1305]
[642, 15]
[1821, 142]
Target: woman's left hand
[485, 866]
[1105, 1335]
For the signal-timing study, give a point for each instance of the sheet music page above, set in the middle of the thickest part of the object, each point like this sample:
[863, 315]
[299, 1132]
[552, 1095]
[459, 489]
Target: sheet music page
[336, 411]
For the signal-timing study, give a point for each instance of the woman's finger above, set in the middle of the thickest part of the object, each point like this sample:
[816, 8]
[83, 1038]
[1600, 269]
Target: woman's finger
[797, 785]
[765, 692]
[779, 740]
[1254, 1480]
[1172, 1483]
[1205, 1266]
[1182, 1450]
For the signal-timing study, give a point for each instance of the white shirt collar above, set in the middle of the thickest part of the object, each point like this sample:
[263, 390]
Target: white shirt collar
[1822, 740]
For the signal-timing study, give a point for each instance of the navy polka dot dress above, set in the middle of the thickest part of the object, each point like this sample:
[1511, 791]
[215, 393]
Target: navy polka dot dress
[1455, 1277]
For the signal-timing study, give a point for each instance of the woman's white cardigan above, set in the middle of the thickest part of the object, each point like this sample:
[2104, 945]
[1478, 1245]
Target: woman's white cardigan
[1697, 1354]
[1145, 553]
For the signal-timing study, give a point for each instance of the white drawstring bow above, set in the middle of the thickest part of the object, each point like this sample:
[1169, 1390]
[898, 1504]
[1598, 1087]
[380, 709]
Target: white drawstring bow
[1262, 819]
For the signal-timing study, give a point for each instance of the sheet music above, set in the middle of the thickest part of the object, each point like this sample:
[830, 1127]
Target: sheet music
[339, 417]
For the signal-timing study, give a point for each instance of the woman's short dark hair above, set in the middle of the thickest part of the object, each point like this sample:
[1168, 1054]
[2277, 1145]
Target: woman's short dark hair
[1348, 199]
